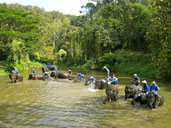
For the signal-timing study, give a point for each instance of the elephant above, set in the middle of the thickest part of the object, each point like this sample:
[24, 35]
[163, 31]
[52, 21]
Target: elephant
[100, 84]
[130, 91]
[53, 74]
[88, 81]
[112, 93]
[44, 69]
[62, 75]
[139, 97]
[35, 77]
[16, 77]
[51, 67]
[153, 101]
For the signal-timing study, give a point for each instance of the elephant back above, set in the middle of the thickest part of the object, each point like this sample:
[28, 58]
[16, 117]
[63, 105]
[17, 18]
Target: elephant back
[19, 77]
[39, 77]
[51, 67]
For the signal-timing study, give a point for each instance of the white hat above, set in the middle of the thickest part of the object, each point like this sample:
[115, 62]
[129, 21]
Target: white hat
[135, 74]
[153, 82]
[144, 81]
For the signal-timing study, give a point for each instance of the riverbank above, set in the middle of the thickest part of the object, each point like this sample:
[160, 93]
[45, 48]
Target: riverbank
[6, 67]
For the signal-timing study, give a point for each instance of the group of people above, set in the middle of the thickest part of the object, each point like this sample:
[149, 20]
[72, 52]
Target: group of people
[153, 88]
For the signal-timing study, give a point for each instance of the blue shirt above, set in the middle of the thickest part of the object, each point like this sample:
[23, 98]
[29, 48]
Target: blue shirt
[44, 65]
[154, 87]
[34, 72]
[106, 70]
[15, 71]
[146, 88]
[70, 72]
[55, 68]
[79, 75]
[93, 79]
[113, 80]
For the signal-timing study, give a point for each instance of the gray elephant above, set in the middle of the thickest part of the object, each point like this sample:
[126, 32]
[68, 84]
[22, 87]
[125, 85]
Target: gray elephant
[130, 91]
[88, 81]
[153, 101]
[139, 97]
[111, 92]
[16, 77]
[100, 84]
[35, 77]
[62, 74]
[51, 67]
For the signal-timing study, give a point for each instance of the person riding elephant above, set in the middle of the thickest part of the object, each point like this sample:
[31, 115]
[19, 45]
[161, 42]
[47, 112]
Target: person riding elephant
[154, 90]
[16, 77]
[70, 75]
[46, 75]
[80, 78]
[32, 76]
[107, 72]
[141, 95]
[113, 79]
[111, 92]
[135, 80]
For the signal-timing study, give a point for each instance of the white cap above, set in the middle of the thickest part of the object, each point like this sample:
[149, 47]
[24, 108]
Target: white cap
[144, 81]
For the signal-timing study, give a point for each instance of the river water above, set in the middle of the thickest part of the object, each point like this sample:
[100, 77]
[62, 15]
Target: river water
[64, 104]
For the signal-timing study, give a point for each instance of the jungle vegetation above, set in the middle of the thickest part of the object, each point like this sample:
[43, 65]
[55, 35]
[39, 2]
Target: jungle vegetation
[128, 36]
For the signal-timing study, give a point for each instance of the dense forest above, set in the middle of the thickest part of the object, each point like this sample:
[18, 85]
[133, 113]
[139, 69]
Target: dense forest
[128, 36]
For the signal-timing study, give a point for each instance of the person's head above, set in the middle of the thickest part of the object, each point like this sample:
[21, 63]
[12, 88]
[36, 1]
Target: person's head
[135, 75]
[144, 82]
[14, 67]
[113, 75]
[153, 83]
[104, 67]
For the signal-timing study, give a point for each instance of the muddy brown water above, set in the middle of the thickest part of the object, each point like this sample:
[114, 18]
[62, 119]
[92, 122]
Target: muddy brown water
[64, 104]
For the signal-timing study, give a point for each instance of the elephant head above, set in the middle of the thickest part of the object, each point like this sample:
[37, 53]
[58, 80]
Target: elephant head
[13, 77]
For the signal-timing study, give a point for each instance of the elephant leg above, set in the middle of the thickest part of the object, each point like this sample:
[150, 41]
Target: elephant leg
[151, 105]
[126, 96]
[106, 100]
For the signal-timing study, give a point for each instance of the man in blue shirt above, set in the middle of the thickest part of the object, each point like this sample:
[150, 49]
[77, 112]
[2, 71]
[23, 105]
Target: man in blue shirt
[44, 65]
[145, 87]
[93, 79]
[113, 79]
[46, 75]
[69, 72]
[80, 76]
[154, 88]
[15, 70]
[136, 80]
[106, 71]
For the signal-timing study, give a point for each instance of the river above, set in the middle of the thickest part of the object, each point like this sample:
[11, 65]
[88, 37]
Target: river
[64, 104]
